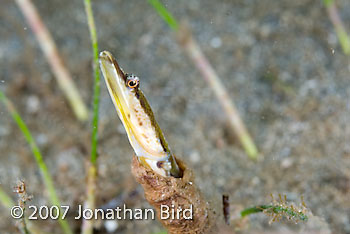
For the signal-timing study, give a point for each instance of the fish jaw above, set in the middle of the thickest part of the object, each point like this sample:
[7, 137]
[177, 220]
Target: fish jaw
[137, 117]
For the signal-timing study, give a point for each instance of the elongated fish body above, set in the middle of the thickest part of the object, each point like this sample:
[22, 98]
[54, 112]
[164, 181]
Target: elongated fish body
[132, 107]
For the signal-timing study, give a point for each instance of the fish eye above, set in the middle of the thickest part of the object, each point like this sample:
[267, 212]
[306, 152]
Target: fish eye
[132, 81]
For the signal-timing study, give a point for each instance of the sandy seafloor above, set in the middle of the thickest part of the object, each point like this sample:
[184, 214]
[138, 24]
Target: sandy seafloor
[279, 60]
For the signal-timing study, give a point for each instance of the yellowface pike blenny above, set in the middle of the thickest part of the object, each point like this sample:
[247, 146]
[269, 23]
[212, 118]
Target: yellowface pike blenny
[143, 131]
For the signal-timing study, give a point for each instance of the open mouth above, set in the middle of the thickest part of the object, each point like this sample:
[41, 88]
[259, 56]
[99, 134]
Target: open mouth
[142, 132]
[115, 79]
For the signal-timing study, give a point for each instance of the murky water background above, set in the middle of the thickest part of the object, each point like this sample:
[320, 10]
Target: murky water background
[280, 61]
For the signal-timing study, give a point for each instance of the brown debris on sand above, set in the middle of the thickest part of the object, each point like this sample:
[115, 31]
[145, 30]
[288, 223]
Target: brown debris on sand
[175, 193]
